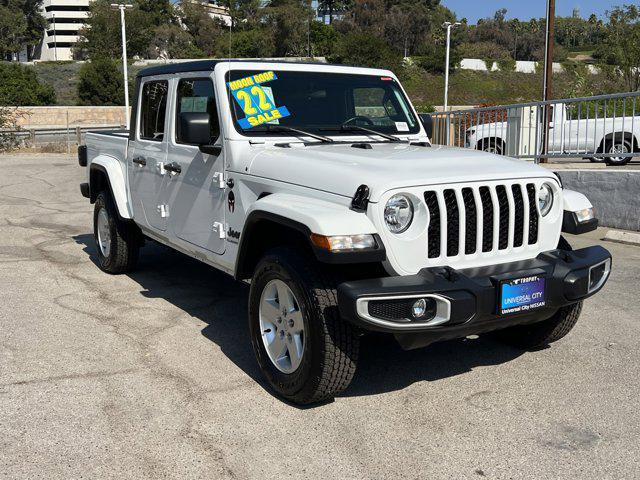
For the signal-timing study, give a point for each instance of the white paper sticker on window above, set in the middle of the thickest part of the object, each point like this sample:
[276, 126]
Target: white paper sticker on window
[402, 126]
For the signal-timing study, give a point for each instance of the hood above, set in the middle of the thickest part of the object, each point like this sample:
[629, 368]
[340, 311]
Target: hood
[342, 168]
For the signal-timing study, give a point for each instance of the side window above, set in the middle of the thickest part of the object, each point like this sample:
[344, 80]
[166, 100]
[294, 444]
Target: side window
[153, 107]
[196, 95]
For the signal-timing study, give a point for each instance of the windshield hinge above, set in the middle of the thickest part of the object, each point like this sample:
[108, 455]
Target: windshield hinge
[218, 178]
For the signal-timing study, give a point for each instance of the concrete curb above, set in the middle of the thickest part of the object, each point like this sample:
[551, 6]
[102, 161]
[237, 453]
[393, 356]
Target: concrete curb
[618, 236]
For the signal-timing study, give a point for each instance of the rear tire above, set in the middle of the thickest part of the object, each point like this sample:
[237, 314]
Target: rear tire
[618, 146]
[329, 347]
[117, 241]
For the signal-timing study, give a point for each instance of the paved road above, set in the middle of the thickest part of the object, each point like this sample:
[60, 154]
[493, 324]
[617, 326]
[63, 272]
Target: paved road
[150, 375]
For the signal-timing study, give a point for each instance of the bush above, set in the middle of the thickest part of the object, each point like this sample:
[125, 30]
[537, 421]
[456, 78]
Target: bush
[507, 65]
[8, 139]
[365, 50]
[19, 86]
[101, 83]
[433, 58]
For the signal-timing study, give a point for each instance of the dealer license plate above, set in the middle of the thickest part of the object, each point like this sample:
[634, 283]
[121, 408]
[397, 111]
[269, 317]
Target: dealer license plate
[522, 294]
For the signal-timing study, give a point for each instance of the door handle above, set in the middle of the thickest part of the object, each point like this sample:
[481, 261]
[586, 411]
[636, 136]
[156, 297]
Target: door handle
[140, 161]
[173, 167]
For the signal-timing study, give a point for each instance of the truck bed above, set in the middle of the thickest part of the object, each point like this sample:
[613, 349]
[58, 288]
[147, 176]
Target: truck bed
[107, 142]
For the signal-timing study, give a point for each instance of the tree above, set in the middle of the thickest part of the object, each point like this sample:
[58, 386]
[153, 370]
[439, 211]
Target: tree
[209, 34]
[172, 41]
[21, 25]
[289, 21]
[323, 39]
[19, 86]
[621, 46]
[101, 36]
[101, 83]
[365, 50]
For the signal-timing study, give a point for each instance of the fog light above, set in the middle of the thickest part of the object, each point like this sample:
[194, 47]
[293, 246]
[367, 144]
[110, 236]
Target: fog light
[424, 308]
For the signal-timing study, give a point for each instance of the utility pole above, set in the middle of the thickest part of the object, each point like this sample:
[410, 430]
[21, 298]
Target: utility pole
[122, 7]
[547, 86]
[448, 26]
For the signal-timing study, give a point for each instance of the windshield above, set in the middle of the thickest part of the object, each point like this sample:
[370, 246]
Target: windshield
[318, 102]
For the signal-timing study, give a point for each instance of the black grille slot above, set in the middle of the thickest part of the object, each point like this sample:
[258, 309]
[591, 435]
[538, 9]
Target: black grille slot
[391, 309]
[533, 214]
[453, 223]
[518, 228]
[433, 242]
[503, 206]
[487, 219]
[471, 224]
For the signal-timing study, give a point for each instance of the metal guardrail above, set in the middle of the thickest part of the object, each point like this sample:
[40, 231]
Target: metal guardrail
[603, 127]
[63, 137]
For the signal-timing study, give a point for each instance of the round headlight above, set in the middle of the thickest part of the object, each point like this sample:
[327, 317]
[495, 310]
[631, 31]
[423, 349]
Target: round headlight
[545, 198]
[398, 213]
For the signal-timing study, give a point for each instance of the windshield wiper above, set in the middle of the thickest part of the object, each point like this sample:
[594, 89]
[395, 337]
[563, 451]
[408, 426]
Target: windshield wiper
[358, 128]
[283, 128]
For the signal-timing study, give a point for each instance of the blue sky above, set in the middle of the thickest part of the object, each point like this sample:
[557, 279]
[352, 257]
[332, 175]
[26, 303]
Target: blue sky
[524, 10]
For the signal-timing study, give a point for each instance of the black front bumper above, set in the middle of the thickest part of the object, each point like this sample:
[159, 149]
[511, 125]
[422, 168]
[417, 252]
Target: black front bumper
[472, 295]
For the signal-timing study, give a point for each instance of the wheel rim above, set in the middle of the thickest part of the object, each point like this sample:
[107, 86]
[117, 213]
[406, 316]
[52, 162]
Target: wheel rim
[281, 326]
[618, 149]
[104, 232]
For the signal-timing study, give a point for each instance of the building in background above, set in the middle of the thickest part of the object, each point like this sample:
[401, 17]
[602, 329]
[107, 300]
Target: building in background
[64, 20]
[216, 10]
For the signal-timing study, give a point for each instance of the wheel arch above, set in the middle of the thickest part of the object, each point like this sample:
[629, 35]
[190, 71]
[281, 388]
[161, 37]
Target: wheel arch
[626, 135]
[105, 173]
[289, 220]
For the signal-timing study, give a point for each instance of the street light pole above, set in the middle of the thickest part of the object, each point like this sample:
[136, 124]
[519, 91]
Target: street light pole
[448, 26]
[122, 7]
[55, 38]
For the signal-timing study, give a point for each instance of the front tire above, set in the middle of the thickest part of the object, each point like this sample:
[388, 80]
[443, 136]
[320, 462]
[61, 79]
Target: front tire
[541, 334]
[307, 353]
[117, 241]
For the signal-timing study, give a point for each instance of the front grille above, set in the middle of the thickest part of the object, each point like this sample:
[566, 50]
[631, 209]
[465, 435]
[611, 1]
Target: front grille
[491, 217]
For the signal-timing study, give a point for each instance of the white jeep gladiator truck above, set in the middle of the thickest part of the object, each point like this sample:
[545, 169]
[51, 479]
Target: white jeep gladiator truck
[614, 139]
[319, 185]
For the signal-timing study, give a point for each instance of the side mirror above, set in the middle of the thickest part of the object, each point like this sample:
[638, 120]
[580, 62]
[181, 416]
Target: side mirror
[427, 123]
[195, 128]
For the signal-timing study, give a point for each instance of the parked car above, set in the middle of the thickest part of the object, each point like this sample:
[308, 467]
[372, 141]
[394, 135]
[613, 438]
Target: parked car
[612, 139]
[319, 185]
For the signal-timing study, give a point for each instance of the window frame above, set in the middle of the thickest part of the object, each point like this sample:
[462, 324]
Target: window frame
[139, 136]
[176, 113]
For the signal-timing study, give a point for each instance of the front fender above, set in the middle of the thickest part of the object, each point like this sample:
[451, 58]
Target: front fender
[571, 223]
[319, 216]
[111, 167]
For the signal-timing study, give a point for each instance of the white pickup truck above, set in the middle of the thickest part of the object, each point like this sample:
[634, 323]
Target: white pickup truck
[614, 139]
[319, 184]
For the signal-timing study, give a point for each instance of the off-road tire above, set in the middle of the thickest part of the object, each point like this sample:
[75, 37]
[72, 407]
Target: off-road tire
[541, 334]
[331, 345]
[126, 238]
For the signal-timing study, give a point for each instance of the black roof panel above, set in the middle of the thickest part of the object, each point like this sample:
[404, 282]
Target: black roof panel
[204, 65]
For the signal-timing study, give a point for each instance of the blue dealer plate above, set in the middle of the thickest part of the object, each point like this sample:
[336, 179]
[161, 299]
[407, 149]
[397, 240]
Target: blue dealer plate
[522, 294]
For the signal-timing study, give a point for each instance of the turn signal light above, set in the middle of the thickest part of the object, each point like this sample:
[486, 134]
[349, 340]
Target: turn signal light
[343, 243]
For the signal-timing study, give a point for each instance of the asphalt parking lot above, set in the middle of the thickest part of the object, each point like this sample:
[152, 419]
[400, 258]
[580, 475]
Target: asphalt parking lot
[151, 375]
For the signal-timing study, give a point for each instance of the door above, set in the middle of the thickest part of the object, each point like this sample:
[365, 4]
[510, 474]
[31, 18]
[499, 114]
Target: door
[148, 156]
[198, 193]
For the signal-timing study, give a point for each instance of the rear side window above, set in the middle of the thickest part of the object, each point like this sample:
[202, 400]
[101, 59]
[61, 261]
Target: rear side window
[153, 108]
[195, 95]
